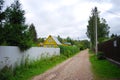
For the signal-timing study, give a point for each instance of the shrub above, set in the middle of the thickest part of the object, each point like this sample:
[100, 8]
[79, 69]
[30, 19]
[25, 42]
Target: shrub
[6, 74]
[100, 55]
[68, 50]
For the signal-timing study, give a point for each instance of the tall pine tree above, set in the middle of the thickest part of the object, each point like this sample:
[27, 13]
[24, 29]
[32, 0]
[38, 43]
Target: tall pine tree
[1, 12]
[16, 33]
[33, 33]
[1, 23]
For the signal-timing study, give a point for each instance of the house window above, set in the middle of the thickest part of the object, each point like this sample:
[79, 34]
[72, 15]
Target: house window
[50, 40]
[115, 43]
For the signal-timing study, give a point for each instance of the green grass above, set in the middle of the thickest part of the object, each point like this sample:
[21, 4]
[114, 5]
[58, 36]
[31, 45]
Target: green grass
[27, 71]
[104, 68]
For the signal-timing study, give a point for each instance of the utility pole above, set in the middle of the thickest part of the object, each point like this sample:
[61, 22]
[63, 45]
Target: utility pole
[96, 40]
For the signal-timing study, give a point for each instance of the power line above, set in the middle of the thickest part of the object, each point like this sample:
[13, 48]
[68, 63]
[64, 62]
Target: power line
[108, 11]
[113, 13]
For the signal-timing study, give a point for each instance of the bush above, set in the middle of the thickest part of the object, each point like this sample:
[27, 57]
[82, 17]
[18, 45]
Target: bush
[6, 74]
[68, 51]
[16, 35]
[100, 55]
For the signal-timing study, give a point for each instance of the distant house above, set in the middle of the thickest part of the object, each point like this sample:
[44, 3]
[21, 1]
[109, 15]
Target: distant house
[67, 44]
[40, 44]
[51, 41]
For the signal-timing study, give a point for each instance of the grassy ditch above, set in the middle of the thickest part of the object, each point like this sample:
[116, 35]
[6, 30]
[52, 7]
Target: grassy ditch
[28, 70]
[103, 69]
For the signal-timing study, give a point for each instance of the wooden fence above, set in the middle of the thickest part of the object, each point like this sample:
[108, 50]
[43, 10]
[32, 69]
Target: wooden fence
[111, 49]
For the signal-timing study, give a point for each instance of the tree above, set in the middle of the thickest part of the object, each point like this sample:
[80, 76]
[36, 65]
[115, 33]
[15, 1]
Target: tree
[1, 23]
[1, 12]
[113, 35]
[82, 44]
[91, 28]
[14, 14]
[60, 39]
[68, 39]
[33, 33]
[16, 33]
[102, 28]
[40, 40]
[103, 31]
[85, 43]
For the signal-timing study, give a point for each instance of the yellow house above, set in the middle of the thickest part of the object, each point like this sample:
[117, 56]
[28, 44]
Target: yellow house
[51, 42]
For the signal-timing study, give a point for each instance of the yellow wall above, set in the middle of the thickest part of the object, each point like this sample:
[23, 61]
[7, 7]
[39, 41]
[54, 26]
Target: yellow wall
[50, 42]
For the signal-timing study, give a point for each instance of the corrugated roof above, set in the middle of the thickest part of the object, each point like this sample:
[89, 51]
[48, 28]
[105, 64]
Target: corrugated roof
[67, 43]
[56, 40]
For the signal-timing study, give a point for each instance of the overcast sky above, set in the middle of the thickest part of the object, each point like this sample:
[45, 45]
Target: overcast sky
[68, 17]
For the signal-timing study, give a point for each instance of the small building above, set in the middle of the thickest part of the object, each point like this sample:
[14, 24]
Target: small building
[40, 44]
[51, 41]
[67, 44]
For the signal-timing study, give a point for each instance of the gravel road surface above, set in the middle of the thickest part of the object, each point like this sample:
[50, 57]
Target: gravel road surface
[75, 68]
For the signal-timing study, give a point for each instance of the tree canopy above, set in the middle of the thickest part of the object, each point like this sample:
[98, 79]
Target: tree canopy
[1, 23]
[15, 14]
[14, 30]
[33, 33]
[102, 28]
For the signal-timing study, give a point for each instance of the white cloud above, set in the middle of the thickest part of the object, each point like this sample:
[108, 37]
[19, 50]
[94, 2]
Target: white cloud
[69, 2]
[67, 17]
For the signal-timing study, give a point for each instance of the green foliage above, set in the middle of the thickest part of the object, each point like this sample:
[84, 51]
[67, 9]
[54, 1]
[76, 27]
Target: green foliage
[68, 39]
[33, 33]
[30, 68]
[6, 74]
[60, 39]
[14, 14]
[40, 40]
[14, 32]
[102, 28]
[1, 11]
[114, 35]
[83, 44]
[1, 23]
[100, 56]
[68, 51]
[104, 69]
[15, 35]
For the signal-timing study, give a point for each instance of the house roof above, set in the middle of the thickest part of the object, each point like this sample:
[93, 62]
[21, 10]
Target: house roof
[56, 40]
[68, 43]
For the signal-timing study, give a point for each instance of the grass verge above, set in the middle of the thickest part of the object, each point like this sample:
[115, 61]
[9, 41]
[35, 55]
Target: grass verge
[104, 69]
[25, 72]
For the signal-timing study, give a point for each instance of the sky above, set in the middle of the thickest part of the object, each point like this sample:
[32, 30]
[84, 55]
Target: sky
[68, 17]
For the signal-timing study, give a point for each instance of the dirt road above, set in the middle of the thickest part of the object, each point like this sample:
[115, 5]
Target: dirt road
[75, 68]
